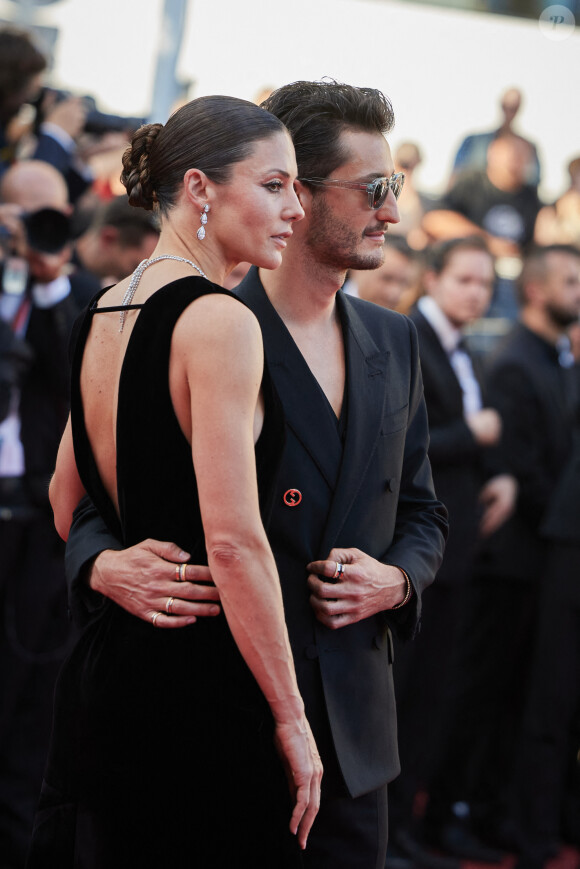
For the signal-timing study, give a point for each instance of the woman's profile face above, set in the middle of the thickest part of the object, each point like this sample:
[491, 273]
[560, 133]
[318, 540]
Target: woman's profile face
[252, 214]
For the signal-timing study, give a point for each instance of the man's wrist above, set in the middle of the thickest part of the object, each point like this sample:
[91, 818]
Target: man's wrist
[94, 571]
[408, 589]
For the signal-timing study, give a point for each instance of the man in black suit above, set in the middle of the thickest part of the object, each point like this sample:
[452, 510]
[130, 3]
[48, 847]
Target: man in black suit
[354, 471]
[532, 381]
[39, 302]
[547, 749]
[463, 432]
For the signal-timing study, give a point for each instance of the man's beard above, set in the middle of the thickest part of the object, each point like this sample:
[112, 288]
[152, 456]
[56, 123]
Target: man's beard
[334, 243]
[561, 317]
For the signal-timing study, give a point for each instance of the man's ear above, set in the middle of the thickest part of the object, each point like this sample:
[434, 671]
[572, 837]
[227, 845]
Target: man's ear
[109, 235]
[534, 292]
[304, 194]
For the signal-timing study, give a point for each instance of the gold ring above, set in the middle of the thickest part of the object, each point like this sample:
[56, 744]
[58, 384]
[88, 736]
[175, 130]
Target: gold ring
[169, 604]
[154, 617]
[182, 569]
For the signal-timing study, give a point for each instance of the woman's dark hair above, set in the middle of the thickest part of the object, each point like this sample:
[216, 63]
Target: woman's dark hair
[317, 112]
[209, 133]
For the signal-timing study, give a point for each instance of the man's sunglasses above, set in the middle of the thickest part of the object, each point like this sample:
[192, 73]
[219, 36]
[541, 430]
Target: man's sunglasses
[377, 190]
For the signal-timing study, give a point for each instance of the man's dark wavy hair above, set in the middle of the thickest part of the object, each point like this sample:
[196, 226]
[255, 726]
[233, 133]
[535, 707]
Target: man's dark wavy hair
[316, 113]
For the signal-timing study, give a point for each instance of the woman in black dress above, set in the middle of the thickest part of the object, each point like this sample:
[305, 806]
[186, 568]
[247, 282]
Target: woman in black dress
[184, 748]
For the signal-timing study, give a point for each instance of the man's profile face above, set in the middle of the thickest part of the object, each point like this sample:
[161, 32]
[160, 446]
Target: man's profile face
[343, 232]
[562, 288]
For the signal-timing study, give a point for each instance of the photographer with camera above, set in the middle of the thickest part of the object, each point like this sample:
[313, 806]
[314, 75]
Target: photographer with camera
[59, 121]
[39, 301]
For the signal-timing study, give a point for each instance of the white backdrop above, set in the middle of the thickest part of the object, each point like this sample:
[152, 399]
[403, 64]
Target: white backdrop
[443, 69]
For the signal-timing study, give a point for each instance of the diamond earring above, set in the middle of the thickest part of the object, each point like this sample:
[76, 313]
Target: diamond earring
[203, 219]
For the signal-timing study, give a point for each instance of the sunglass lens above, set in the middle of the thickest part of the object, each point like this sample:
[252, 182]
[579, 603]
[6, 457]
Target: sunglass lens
[397, 184]
[380, 192]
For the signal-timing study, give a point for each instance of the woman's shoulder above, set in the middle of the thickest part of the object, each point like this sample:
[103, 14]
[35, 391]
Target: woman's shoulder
[191, 288]
[215, 311]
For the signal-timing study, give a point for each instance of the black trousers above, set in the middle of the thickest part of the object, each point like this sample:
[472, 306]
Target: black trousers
[349, 833]
[487, 700]
[424, 674]
[35, 636]
[546, 746]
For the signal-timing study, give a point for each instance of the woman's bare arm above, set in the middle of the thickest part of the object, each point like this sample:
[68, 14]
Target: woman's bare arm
[217, 344]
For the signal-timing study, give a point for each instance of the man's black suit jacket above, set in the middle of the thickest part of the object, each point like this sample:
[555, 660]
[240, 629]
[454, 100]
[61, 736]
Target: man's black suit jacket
[536, 399]
[460, 465]
[380, 501]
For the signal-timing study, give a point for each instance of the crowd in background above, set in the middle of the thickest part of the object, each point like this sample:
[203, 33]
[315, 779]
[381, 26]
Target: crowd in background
[489, 691]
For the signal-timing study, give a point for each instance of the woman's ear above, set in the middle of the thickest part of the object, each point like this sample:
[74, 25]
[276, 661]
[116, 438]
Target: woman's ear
[196, 186]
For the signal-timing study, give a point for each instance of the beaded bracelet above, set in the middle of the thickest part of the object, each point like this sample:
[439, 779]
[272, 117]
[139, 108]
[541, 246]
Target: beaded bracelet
[409, 591]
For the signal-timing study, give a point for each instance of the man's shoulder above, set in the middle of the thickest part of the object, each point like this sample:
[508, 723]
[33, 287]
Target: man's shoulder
[521, 357]
[519, 343]
[388, 330]
[373, 314]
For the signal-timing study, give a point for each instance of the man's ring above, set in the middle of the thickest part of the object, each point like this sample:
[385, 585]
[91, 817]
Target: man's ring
[180, 572]
[169, 604]
[154, 617]
[339, 571]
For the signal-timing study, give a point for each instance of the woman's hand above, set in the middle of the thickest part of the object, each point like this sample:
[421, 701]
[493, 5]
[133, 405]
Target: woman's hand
[297, 749]
[145, 579]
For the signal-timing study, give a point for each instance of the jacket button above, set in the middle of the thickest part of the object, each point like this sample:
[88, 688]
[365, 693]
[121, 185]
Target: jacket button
[311, 652]
[378, 641]
[390, 484]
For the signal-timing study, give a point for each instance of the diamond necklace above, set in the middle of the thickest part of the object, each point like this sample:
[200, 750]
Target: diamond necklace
[137, 274]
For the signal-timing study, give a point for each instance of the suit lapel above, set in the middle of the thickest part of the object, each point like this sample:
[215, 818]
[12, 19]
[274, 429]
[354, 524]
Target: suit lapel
[306, 408]
[367, 372]
[435, 362]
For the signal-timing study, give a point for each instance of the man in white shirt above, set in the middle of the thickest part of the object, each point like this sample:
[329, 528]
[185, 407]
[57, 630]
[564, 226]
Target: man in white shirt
[463, 432]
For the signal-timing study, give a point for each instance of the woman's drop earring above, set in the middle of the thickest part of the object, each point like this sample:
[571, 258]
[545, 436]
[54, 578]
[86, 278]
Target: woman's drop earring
[203, 219]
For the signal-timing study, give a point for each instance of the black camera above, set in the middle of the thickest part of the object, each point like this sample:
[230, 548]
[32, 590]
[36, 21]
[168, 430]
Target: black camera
[47, 230]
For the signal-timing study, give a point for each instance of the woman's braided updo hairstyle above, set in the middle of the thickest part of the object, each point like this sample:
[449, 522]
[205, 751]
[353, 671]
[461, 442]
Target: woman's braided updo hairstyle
[209, 133]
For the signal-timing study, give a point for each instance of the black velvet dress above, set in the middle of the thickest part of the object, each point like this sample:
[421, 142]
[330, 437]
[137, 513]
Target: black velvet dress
[162, 751]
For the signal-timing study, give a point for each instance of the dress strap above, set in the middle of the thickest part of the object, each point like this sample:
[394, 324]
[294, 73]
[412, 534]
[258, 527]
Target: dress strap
[137, 274]
[110, 308]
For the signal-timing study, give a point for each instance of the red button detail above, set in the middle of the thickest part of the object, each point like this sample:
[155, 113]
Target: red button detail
[292, 497]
